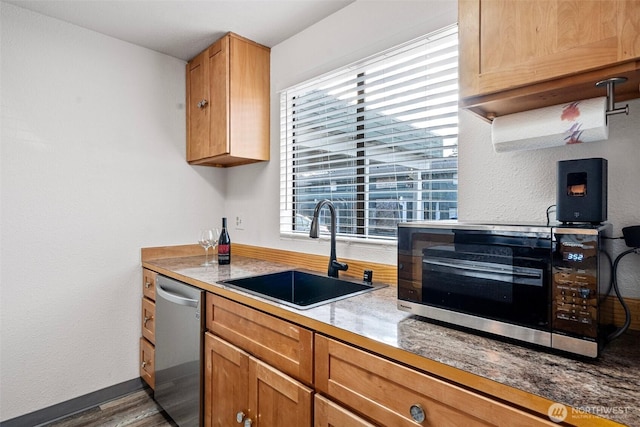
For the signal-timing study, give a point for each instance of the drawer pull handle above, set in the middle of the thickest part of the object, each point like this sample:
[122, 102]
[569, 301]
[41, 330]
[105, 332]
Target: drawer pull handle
[248, 422]
[144, 364]
[146, 319]
[417, 413]
[147, 285]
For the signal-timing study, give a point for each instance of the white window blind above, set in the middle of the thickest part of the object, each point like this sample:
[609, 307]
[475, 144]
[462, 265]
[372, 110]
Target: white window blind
[378, 138]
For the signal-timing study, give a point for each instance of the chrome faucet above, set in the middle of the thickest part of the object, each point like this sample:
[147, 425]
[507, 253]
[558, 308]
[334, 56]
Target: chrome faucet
[334, 265]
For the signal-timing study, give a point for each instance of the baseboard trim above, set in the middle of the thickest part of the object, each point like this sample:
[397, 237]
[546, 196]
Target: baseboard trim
[77, 404]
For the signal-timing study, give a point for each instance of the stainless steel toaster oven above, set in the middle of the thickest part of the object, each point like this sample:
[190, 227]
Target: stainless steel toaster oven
[538, 284]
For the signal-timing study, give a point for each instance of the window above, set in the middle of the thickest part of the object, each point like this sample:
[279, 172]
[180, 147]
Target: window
[378, 138]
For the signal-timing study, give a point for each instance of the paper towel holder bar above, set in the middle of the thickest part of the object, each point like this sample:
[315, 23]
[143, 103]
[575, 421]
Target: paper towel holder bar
[611, 103]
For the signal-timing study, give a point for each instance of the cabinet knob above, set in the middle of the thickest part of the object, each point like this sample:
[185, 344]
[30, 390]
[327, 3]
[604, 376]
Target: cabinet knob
[144, 364]
[147, 285]
[203, 103]
[241, 419]
[417, 413]
[146, 319]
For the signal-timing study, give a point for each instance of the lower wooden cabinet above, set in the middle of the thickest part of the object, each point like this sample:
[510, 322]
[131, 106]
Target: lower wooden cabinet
[240, 389]
[329, 414]
[148, 327]
[261, 370]
[149, 284]
[394, 395]
[282, 344]
[147, 362]
[149, 320]
[226, 384]
[277, 399]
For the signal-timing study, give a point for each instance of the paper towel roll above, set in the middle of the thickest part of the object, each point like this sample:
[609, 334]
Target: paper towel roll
[580, 121]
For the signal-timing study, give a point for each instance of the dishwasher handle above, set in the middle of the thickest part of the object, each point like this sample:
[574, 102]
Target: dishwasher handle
[177, 299]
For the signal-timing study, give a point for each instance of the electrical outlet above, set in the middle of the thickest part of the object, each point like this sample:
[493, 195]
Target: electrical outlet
[239, 222]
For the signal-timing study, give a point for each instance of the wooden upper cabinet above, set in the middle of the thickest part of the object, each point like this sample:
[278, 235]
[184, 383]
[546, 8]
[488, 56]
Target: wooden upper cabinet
[228, 92]
[527, 54]
[218, 58]
[198, 111]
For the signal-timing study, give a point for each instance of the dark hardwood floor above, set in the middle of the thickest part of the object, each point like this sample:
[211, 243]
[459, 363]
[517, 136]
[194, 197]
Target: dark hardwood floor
[137, 409]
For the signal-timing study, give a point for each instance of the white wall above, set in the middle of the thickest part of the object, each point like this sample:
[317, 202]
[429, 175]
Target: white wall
[359, 30]
[518, 186]
[92, 169]
[507, 187]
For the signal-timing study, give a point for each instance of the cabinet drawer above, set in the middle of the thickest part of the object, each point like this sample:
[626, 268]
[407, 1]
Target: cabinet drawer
[147, 362]
[329, 414]
[149, 284]
[386, 392]
[281, 344]
[149, 320]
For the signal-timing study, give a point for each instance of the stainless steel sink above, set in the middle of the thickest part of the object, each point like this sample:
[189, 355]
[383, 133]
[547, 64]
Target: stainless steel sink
[300, 289]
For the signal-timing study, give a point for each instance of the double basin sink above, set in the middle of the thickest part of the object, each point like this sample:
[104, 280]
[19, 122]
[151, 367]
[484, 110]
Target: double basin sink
[299, 289]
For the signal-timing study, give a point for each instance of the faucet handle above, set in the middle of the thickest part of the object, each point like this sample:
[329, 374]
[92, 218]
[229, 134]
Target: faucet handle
[339, 265]
[336, 266]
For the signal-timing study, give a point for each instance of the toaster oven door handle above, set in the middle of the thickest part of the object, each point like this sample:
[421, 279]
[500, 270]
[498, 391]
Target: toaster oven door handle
[463, 265]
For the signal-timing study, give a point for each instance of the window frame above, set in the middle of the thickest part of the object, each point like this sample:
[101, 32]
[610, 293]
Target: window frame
[288, 193]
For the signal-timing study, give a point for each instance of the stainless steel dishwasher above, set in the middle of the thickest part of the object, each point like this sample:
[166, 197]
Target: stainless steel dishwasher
[178, 352]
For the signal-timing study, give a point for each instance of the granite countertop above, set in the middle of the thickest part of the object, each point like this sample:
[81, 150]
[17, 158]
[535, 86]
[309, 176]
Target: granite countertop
[608, 387]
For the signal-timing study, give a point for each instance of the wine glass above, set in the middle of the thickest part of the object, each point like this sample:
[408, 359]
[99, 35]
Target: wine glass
[214, 241]
[205, 240]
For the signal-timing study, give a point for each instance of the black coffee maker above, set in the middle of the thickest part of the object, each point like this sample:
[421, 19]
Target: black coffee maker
[582, 191]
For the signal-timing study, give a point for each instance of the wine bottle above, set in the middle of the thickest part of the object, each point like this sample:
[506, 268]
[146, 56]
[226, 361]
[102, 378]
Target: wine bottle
[224, 245]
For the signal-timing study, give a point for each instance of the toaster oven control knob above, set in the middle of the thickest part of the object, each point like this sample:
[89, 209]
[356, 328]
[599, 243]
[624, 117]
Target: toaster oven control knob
[584, 293]
[417, 413]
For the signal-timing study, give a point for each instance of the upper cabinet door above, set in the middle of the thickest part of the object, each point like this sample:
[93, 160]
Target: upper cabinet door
[198, 107]
[219, 88]
[507, 45]
[228, 100]
[250, 98]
